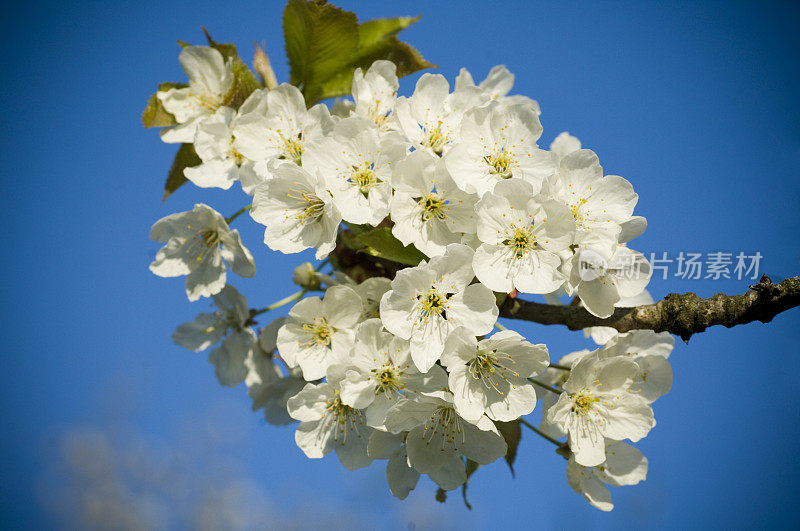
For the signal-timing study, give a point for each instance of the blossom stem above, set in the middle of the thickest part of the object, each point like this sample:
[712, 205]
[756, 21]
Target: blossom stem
[238, 213]
[562, 367]
[545, 386]
[540, 432]
[286, 300]
[499, 326]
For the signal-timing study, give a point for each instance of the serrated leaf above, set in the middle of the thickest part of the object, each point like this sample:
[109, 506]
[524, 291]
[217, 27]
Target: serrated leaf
[154, 114]
[512, 433]
[245, 81]
[326, 44]
[381, 243]
[472, 466]
[184, 158]
[321, 40]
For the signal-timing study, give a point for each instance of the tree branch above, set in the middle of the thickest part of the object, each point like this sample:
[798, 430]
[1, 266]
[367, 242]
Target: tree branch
[683, 315]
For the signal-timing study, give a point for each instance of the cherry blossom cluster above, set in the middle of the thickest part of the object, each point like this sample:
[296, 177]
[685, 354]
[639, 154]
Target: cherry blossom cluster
[407, 369]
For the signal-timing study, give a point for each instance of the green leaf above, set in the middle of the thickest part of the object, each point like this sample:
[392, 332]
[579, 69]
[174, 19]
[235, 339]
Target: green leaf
[472, 466]
[512, 433]
[325, 45]
[184, 158]
[245, 81]
[154, 114]
[381, 243]
[321, 39]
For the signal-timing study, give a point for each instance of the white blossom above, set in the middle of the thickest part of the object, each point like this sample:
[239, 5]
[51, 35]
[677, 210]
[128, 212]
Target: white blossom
[211, 86]
[601, 274]
[428, 209]
[427, 302]
[319, 333]
[297, 210]
[371, 291]
[437, 433]
[229, 359]
[355, 162]
[597, 404]
[379, 373]
[375, 91]
[496, 86]
[496, 142]
[598, 204]
[214, 143]
[209, 328]
[197, 241]
[623, 465]
[267, 386]
[563, 145]
[521, 237]
[328, 424]
[490, 376]
[282, 130]
[430, 118]
[649, 350]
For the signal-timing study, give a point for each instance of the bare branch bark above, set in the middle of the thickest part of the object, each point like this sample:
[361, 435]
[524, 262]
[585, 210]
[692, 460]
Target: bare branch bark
[682, 315]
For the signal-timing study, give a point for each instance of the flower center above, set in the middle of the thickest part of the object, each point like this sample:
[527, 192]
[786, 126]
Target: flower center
[364, 178]
[488, 366]
[574, 208]
[388, 379]
[434, 138]
[520, 241]
[583, 402]
[204, 245]
[445, 423]
[293, 147]
[342, 419]
[432, 304]
[501, 163]
[319, 333]
[433, 207]
[310, 207]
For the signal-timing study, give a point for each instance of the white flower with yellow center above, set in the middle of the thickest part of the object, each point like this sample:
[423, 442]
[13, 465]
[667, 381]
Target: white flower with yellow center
[209, 328]
[375, 92]
[431, 116]
[356, 164]
[599, 205]
[428, 209]
[520, 238]
[197, 241]
[496, 86]
[497, 142]
[597, 404]
[379, 373]
[437, 433]
[624, 465]
[297, 210]
[282, 130]
[222, 163]
[211, 86]
[428, 302]
[491, 375]
[326, 424]
[319, 333]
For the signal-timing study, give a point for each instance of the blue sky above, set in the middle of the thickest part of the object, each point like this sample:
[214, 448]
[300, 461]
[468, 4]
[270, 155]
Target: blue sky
[695, 104]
